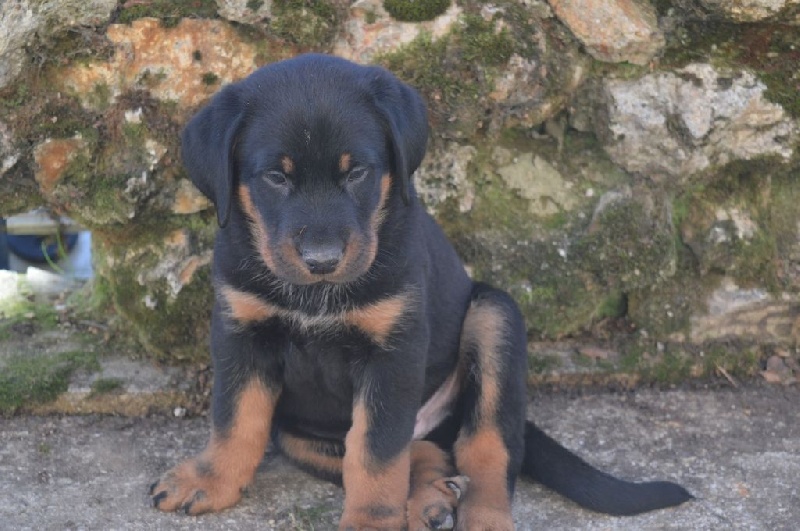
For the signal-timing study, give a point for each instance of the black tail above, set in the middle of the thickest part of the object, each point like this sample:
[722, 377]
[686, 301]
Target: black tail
[557, 468]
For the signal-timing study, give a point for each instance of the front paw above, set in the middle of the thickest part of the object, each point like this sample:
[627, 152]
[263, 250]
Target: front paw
[374, 518]
[194, 487]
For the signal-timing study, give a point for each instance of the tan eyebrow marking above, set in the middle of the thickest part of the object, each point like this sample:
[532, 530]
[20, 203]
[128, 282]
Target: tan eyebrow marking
[287, 164]
[344, 162]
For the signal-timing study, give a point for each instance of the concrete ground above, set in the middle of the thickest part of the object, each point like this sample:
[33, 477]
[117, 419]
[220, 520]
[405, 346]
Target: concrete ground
[737, 450]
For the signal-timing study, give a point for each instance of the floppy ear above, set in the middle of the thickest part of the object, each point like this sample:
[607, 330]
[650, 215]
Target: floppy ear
[406, 117]
[207, 145]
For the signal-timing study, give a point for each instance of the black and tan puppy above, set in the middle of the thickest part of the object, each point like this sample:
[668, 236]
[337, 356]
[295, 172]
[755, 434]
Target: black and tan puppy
[345, 327]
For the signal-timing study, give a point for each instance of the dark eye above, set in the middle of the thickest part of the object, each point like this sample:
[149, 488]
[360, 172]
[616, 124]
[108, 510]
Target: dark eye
[357, 174]
[276, 178]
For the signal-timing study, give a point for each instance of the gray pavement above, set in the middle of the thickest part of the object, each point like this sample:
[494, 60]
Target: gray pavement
[737, 450]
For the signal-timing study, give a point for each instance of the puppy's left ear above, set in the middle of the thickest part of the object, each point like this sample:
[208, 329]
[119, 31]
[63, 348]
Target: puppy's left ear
[207, 145]
[406, 118]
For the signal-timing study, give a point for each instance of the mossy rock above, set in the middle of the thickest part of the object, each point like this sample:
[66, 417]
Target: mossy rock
[169, 314]
[456, 73]
[310, 24]
[742, 223]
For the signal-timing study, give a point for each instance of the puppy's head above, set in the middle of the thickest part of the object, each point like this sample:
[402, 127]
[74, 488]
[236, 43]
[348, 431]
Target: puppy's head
[311, 151]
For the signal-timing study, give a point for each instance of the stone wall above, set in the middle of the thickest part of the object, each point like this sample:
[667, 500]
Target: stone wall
[628, 170]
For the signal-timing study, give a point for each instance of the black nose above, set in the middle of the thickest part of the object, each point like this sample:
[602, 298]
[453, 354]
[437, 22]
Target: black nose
[322, 259]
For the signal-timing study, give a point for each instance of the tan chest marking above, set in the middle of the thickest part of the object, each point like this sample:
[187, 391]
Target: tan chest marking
[376, 320]
[379, 319]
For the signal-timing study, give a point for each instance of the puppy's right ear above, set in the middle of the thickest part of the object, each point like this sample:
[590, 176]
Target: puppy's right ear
[207, 145]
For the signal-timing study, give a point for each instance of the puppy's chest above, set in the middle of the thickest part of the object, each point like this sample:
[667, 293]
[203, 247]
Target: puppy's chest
[377, 320]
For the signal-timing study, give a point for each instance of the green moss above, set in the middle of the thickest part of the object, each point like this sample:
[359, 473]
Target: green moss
[538, 364]
[483, 43]
[15, 96]
[170, 12]
[106, 385]
[662, 364]
[311, 24]
[254, 5]
[173, 329]
[25, 310]
[37, 379]
[628, 247]
[415, 10]
[737, 360]
[64, 119]
[100, 97]
[210, 78]
[669, 368]
[454, 72]
[425, 64]
[613, 306]
[755, 258]
[665, 308]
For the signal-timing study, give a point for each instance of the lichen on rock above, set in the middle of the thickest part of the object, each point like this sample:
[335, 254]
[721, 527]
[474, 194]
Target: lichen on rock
[674, 125]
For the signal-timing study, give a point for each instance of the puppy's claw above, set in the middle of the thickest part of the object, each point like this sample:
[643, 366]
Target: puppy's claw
[158, 498]
[458, 485]
[449, 523]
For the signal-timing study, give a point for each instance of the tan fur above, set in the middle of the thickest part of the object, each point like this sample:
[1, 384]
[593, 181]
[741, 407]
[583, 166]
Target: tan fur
[377, 320]
[246, 308]
[257, 227]
[359, 253]
[430, 499]
[344, 162]
[484, 328]
[484, 459]
[214, 480]
[375, 493]
[483, 456]
[287, 164]
[310, 453]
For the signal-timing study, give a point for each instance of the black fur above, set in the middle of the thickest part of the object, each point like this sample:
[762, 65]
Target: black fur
[302, 115]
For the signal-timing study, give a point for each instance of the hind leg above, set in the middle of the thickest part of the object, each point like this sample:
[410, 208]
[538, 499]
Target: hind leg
[435, 485]
[435, 488]
[490, 444]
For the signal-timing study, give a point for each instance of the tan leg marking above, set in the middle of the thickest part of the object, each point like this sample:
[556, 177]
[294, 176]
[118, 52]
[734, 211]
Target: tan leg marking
[375, 493]
[377, 320]
[482, 456]
[435, 488]
[484, 328]
[214, 480]
[314, 454]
